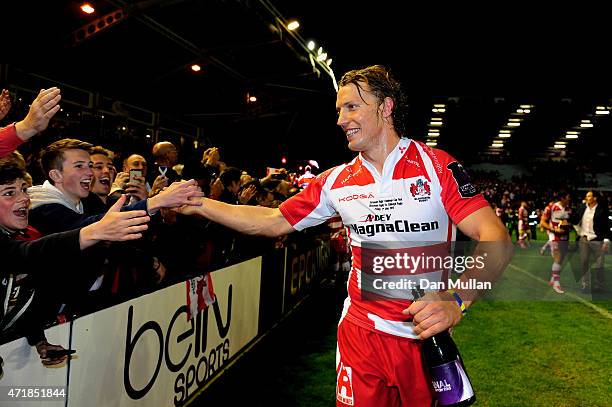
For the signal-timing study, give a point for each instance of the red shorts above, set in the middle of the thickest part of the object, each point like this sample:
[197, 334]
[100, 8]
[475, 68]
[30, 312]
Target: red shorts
[375, 369]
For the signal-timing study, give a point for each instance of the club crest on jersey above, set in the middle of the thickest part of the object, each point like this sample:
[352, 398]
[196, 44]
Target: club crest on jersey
[402, 149]
[421, 191]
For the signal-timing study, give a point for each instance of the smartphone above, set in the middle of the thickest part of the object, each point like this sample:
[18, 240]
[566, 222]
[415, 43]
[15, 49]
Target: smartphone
[133, 174]
[54, 354]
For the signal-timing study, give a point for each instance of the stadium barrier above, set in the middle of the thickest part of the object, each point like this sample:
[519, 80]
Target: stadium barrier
[146, 352]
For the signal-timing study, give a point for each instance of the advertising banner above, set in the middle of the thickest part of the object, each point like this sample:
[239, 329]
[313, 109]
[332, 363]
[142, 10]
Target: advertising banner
[304, 267]
[147, 352]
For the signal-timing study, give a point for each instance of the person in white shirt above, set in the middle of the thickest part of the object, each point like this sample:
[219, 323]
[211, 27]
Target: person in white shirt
[592, 225]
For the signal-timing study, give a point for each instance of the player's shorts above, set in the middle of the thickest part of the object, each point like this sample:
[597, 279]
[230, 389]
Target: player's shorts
[375, 369]
[523, 226]
[559, 245]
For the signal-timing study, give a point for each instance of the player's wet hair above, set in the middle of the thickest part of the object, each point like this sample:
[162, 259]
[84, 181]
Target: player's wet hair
[382, 84]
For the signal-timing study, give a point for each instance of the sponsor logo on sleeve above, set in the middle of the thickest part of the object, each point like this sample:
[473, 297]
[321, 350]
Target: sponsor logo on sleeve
[464, 185]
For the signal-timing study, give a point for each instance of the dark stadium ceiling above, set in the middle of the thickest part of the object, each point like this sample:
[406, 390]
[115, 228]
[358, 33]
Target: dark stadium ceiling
[482, 69]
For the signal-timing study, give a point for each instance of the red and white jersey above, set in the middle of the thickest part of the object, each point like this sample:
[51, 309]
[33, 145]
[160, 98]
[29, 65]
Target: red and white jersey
[523, 214]
[523, 218]
[555, 213]
[420, 196]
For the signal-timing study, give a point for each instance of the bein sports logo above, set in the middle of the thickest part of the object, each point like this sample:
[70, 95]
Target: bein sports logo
[421, 191]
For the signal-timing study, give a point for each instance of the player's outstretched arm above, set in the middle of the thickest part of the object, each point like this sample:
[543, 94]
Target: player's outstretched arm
[251, 220]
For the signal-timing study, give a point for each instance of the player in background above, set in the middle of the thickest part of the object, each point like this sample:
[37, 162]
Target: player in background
[555, 221]
[524, 233]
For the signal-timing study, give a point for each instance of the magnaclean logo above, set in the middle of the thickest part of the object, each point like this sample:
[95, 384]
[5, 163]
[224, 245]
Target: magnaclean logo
[399, 226]
[355, 196]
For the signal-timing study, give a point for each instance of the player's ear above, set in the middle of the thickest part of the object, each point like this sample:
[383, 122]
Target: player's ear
[387, 106]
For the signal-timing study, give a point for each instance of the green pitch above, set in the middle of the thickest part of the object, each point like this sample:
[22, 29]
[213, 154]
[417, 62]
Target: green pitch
[535, 348]
[528, 347]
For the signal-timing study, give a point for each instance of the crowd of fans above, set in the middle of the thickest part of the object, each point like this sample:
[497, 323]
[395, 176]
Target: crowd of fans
[79, 184]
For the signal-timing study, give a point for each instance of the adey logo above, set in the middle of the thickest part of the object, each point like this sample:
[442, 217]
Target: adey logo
[375, 218]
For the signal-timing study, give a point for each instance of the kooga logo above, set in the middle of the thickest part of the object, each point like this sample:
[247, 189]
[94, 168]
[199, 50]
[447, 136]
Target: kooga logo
[197, 374]
[355, 196]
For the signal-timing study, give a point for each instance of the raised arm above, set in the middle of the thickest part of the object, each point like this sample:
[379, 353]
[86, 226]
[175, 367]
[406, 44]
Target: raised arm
[42, 109]
[251, 220]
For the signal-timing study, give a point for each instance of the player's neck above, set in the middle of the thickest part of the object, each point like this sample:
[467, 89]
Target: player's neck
[379, 153]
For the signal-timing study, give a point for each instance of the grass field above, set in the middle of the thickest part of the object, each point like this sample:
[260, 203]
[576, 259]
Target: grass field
[546, 350]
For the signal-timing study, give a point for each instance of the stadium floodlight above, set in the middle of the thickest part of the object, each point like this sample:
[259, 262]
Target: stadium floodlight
[436, 119]
[514, 119]
[293, 25]
[320, 51]
[572, 132]
[601, 112]
[514, 124]
[87, 8]
[571, 136]
[526, 106]
[311, 45]
[560, 142]
[586, 125]
[322, 57]
[329, 62]
[196, 68]
[504, 135]
[559, 146]
[430, 134]
[439, 105]
[435, 124]
[505, 131]
[432, 143]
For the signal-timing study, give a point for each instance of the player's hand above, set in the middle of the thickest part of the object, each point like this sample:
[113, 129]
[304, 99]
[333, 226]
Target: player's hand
[434, 313]
[176, 195]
